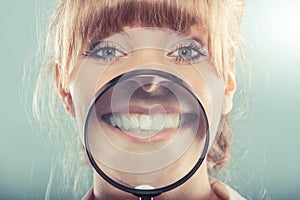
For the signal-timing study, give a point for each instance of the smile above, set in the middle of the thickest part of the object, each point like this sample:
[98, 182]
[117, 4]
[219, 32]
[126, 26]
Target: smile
[147, 124]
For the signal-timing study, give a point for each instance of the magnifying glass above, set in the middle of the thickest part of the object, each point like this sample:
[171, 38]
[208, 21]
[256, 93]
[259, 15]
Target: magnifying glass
[146, 132]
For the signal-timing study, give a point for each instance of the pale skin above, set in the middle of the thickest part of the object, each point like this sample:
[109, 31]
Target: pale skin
[198, 186]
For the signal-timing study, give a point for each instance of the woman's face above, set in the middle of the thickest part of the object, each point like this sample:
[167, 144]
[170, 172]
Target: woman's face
[184, 55]
[149, 117]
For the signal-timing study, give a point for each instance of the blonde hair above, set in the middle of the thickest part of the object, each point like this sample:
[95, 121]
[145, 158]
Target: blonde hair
[75, 23]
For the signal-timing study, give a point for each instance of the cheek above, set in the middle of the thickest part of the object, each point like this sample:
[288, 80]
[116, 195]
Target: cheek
[84, 80]
[199, 87]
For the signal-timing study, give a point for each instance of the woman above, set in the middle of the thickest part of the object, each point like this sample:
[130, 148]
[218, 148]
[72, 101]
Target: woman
[198, 36]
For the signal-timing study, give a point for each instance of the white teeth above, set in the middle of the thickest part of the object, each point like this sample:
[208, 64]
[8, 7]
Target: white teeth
[134, 121]
[144, 123]
[126, 122]
[112, 121]
[169, 122]
[158, 122]
[118, 121]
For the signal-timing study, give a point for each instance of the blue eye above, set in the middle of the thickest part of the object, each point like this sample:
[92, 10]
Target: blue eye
[105, 51]
[188, 52]
[184, 52]
[108, 52]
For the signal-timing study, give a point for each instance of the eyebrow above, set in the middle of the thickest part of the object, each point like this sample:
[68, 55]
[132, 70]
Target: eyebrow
[196, 38]
[96, 40]
[199, 40]
[123, 33]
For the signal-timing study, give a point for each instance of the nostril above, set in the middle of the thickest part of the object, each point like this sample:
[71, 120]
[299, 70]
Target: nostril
[150, 84]
[149, 87]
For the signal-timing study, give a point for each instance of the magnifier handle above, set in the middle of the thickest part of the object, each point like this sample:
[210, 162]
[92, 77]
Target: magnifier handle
[146, 198]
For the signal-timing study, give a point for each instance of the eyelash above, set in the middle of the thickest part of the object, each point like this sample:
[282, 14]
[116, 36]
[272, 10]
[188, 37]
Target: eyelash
[96, 47]
[195, 46]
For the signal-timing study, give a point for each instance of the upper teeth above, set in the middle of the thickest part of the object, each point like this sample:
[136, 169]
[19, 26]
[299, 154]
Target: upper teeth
[147, 124]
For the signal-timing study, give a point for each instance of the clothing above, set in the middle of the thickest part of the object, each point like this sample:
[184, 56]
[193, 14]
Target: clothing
[223, 192]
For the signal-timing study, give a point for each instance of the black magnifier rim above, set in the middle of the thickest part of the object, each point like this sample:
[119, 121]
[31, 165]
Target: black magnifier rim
[140, 192]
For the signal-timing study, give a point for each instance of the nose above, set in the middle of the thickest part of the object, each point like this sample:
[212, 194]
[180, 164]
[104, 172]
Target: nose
[149, 84]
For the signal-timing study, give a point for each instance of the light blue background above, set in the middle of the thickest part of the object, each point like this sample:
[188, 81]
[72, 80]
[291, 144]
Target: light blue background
[265, 144]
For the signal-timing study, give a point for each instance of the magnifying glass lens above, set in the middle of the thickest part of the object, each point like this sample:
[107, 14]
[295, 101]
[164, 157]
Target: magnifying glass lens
[146, 131]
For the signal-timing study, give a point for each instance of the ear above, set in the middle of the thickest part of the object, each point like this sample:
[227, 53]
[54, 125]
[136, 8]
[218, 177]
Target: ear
[229, 91]
[66, 97]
